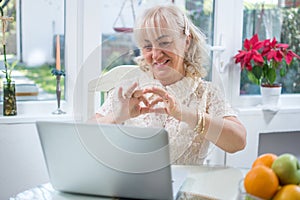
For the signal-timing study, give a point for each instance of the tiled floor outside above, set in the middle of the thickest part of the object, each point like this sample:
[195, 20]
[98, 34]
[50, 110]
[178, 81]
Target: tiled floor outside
[20, 79]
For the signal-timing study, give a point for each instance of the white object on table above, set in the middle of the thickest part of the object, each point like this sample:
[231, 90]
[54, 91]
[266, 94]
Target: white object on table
[202, 182]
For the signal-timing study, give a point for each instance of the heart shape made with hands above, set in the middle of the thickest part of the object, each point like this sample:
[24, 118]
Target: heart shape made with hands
[148, 100]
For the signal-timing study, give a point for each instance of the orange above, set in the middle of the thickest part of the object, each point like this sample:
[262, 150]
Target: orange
[266, 159]
[261, 181]
[288, 192]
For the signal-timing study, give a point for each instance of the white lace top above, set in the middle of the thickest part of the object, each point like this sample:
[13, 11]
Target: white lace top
[186, 146]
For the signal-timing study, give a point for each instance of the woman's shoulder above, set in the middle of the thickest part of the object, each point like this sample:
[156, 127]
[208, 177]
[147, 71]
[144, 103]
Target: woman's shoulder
[209, 87]
[204, 84]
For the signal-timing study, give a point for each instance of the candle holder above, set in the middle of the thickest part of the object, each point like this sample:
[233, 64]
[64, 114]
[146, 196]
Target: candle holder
[58, 74]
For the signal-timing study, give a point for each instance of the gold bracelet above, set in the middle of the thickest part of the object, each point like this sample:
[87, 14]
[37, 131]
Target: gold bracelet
[203, 125]
[197, 127]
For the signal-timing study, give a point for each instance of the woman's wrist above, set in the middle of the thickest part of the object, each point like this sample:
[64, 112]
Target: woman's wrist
[190, 117]
[117, 119]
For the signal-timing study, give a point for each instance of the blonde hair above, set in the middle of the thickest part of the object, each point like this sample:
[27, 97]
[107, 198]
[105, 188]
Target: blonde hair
[196, 58]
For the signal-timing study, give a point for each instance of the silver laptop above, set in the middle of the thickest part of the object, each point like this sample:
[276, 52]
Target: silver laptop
[108, 160]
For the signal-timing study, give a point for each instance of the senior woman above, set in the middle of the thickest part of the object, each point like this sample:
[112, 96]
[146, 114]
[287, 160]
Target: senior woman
[173, 94]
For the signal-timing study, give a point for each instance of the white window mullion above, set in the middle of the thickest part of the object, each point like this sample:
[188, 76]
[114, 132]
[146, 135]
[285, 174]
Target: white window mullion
[228, 34]
[88, 55]
[72, 48]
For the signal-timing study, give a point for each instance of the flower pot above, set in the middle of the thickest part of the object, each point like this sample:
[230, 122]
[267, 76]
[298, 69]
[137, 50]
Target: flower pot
[270, 94]
[9, 99]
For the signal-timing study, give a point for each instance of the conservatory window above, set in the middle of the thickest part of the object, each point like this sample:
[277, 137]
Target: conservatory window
[279, 19]
[31, 41]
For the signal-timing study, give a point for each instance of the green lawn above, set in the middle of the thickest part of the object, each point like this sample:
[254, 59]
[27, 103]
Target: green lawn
[42, 76]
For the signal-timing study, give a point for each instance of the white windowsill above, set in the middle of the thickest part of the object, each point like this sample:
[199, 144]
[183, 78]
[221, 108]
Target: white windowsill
[32, 111]
[251, 110]
[249, 105]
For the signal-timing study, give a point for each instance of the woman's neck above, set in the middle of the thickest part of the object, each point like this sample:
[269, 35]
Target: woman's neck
[170, 82]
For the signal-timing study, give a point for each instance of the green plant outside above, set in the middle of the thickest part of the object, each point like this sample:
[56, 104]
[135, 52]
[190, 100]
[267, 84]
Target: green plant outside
[42, 76]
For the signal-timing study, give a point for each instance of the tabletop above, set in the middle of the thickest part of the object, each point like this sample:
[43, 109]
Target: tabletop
[202, 182]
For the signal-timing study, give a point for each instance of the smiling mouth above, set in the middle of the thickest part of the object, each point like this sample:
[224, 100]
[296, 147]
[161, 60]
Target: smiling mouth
[161, 63]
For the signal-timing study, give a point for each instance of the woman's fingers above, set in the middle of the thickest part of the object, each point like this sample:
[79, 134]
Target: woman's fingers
[155, 101]
[137, 93]
[170, 106]
[156, 90]
[144, 110]
[135, 96]
[130, 91]
[163, 95]
[144, 100]
[167, 99]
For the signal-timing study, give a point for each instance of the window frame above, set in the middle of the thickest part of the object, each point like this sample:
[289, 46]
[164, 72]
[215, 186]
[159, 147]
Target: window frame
[81, 43]
[229, 26]
[30, 111]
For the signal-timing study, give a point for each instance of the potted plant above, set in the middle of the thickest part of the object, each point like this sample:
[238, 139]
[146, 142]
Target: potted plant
[264, 60]
[9, 93]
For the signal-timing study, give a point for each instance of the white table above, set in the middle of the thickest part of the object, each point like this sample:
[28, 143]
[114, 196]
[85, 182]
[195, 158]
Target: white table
[202, 182]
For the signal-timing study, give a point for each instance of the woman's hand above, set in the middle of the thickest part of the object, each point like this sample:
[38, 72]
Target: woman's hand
[171, 107]
[128, 104]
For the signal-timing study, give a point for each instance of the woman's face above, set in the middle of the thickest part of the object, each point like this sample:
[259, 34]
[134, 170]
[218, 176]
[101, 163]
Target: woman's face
[164, 53]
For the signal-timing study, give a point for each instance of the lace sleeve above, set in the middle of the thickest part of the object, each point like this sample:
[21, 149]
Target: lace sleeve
[217, 104]
[107, 105]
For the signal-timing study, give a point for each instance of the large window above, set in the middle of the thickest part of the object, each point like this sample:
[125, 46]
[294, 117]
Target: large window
[91, 24]
[118, 47]
[31, 40]
[221, 21]
[279, 19]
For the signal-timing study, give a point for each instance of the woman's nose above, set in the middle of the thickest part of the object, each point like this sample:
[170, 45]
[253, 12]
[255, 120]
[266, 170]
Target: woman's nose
[156, 53]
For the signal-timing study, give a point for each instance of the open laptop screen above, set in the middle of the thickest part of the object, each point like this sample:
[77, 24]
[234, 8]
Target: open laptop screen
[107, 160]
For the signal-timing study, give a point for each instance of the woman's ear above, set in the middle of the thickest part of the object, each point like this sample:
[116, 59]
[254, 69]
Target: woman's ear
[187, 43]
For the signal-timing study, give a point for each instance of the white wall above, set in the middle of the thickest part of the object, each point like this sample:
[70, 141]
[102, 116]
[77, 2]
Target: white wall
[258, 121]
[22, 163]
[41, 20]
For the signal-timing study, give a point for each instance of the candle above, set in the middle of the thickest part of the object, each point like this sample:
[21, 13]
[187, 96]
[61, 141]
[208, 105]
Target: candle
[58, 53]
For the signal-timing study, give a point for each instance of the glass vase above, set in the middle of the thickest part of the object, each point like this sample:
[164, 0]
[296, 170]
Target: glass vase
[9, 99]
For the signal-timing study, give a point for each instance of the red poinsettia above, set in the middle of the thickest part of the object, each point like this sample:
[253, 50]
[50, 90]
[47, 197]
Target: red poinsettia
[263, 58]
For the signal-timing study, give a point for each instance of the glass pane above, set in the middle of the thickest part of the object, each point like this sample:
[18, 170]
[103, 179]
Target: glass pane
[274, 18]
[201, 13]
[31, 42]
[118, 48]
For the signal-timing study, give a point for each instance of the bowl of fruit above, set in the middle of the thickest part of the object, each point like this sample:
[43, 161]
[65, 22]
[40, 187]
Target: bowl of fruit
[272, 177]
